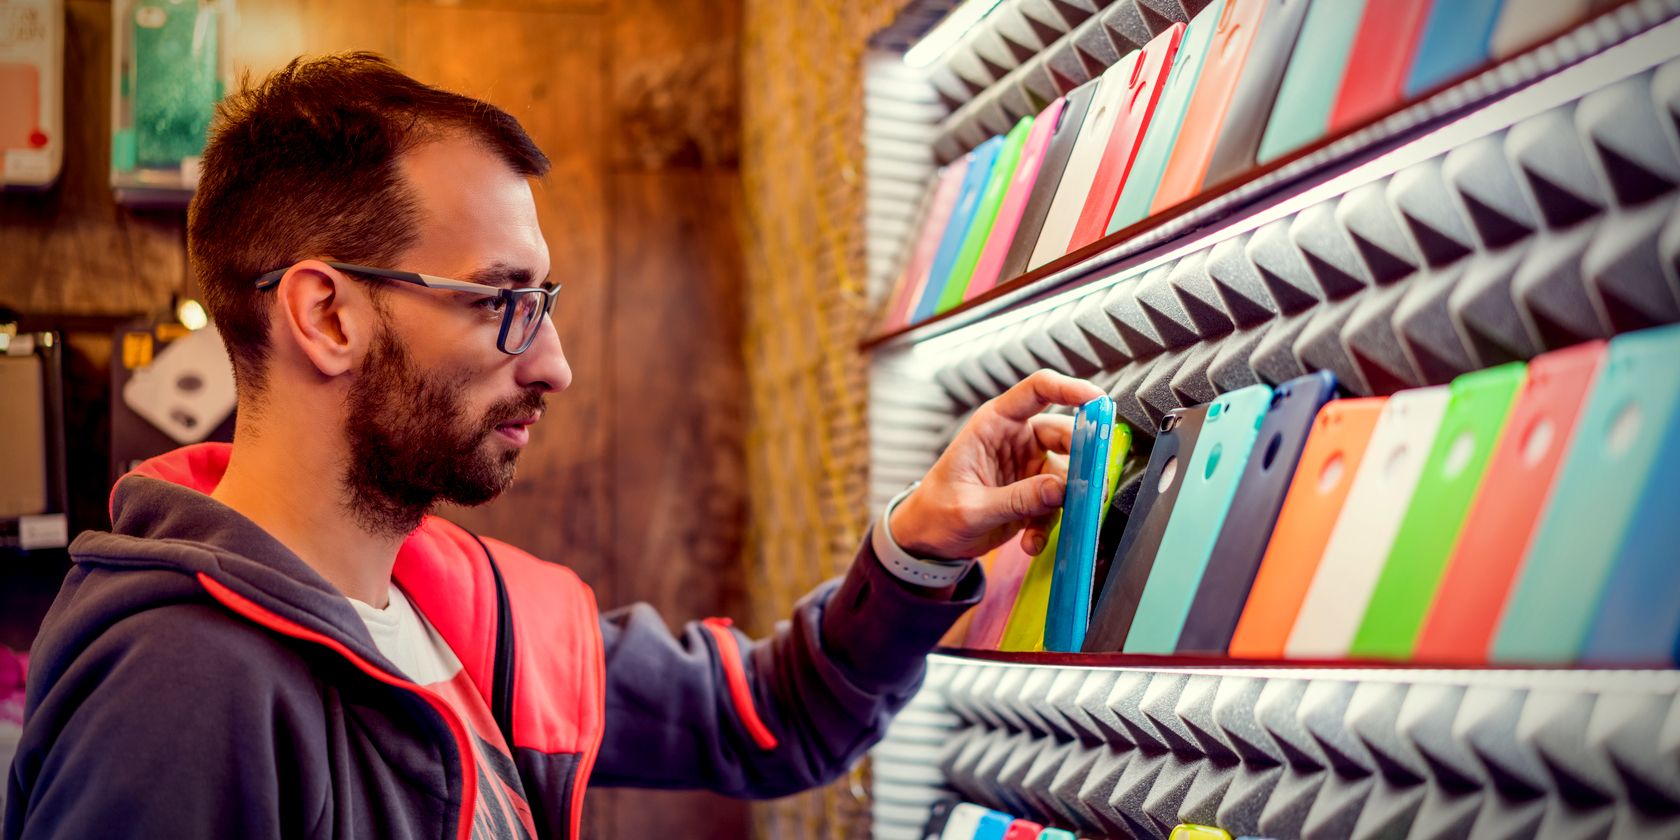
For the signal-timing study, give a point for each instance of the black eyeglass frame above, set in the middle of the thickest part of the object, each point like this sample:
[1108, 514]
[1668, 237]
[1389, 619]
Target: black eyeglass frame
[509, 297]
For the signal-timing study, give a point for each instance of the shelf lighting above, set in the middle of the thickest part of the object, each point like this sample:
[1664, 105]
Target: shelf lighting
[948, 32]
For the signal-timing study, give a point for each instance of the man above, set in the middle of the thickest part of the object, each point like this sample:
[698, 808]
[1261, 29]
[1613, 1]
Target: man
[278, 640]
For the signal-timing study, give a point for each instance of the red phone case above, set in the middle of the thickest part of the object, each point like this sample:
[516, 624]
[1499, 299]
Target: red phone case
[1382, 51]
[1239, 21]
[1023, 829]
[1485, 562]
[1149, 76]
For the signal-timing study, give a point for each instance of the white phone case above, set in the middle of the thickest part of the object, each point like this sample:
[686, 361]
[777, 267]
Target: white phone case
[965, 819]
[1524, 23]
[1370, 519]
[187, 390]
[1088, 149]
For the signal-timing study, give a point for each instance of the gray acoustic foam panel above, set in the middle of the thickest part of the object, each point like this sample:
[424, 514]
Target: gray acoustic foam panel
[1293, 753]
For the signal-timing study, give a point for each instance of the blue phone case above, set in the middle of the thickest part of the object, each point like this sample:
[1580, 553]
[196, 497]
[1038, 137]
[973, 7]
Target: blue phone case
[1611, 462]
[993, 826]
[1070, 586]
[950, 243]
[1233, 422]
[1158, 140]
[1247, 529]
[1455, 41]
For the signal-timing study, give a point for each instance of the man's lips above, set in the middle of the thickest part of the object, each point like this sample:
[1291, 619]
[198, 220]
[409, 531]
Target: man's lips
[518, 431]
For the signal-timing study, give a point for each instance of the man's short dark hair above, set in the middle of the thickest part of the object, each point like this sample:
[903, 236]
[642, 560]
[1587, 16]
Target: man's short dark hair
[305, 165]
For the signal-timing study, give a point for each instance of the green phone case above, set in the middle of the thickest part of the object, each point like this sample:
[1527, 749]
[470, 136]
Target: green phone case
[1158, 140]
[1210, 483]
[981, 229]
[1024, 629]
[176, 83]
[1301, 113]
[1452, 473]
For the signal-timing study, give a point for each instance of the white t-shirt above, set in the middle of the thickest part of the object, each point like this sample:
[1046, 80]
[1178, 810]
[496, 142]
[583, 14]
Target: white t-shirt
[405, 637]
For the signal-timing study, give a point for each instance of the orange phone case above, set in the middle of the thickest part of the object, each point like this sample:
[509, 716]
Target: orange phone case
[1485, 562]
[957, 636]
[1205, 116]
[1143, 91]
[1322, 480]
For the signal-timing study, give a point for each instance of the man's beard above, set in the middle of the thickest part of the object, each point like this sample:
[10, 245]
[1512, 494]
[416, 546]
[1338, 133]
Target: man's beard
[412, 444]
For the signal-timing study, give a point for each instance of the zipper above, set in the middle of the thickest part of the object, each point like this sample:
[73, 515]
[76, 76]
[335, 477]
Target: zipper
[469, 771]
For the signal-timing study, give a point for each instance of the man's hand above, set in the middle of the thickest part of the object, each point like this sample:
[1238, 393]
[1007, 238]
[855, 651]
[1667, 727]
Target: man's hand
[1006, 469]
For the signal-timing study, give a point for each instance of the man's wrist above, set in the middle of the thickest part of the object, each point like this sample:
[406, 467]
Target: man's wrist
[931, 573]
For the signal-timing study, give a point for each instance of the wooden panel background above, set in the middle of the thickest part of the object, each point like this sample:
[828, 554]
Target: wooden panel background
[636, 478]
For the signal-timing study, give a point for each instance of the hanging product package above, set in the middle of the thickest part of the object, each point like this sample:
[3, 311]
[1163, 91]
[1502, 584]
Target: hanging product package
[31, 93]
[168, 73]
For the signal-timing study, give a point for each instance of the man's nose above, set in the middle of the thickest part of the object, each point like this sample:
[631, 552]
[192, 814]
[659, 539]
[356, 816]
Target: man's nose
[543, 364]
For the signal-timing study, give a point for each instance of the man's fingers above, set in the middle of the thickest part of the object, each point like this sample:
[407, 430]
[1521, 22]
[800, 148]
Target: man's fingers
[1041, 390]
[1054, 432]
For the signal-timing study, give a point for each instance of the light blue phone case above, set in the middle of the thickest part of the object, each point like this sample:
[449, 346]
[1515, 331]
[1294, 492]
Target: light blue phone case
[1301, 113]
[1070, 587]
[1611, 463]
[1162, 134]
[993, 826]
[1455, 41]
[950, 243]
[1210, 483]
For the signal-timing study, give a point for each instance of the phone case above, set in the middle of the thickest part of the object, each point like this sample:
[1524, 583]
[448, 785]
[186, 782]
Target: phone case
[1248, 526]
[914, 281]
[1082, 507]
[1250, 105]
[1120, 503]
[938, 816]
[1609, 466]
[1503, 518]
[1220, 459]
[1526, 23]
[1305, 99]
[1455, 42]
[1129, 570]
[31, 92]
[1452, 475]
[1638, 621]
[1204, 117]
[1382, 490]
[1024, 629]
[1323, 477]
[987, 271]
[1131, 122]
[1138, 193]
[957, 635]
[187, 390]
[1023, 829]
[1082, 164]
[1003, 586]
[962, 215]
[175, 83]
[963, 822]
[993, 825]
[1388, 38]
[980, 229]
[1045, 187]
[1055, 834]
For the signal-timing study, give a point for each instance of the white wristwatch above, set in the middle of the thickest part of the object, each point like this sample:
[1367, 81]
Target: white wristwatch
[916, 571]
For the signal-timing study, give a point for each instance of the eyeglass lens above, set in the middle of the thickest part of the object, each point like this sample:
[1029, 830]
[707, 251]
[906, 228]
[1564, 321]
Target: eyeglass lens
[527, 316]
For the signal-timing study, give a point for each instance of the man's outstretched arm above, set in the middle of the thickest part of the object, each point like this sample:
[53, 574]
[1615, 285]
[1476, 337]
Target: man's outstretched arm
[710, 708]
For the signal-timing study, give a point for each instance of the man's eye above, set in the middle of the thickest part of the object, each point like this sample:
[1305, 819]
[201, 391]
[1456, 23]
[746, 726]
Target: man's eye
[491, 304]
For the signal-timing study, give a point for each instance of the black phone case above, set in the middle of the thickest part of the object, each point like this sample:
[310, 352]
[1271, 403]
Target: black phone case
[1114, 521]
[1049, 177]
[1135, 556]
[1251, 105]
[937, 817]
[1253, 514]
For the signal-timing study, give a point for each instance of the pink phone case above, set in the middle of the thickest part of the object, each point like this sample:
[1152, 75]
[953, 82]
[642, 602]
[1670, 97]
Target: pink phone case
[1008, 219]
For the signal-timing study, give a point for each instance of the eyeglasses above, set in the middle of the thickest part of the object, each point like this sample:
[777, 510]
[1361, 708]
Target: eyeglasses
[522, 308]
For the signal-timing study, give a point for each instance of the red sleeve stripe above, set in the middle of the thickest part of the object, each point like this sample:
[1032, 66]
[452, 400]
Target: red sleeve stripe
[729, 653]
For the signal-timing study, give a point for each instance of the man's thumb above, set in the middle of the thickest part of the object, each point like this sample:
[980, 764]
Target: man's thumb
[1033, 497]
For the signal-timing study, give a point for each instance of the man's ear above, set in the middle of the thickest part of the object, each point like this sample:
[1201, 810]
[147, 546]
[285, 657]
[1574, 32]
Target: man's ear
[329, 320]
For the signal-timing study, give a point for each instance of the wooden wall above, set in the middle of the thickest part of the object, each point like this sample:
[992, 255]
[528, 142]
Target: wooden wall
[636, 477]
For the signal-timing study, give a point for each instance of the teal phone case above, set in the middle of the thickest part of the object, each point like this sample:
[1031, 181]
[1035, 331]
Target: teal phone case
[1302, 111]
[1162, 135]
[176, 81]
[1215, 470]
[980, 229]
[1610, 464]
[979, 173]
